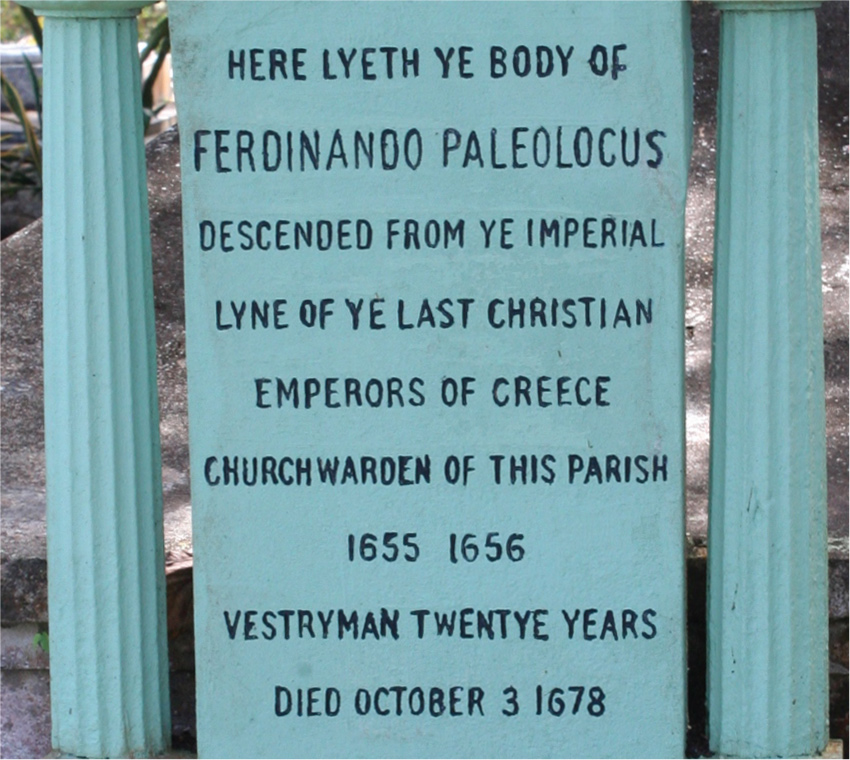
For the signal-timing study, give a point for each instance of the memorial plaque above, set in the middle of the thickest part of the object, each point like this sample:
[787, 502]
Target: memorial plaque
[434, 305]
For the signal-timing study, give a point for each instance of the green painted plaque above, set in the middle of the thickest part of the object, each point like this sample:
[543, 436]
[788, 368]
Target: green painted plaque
[434, 305]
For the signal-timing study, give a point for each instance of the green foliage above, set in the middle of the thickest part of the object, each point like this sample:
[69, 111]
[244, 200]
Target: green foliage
[158, 43]
[149, 17]
[34, 26]
[16, 23]
[20, 165]
[42, 641]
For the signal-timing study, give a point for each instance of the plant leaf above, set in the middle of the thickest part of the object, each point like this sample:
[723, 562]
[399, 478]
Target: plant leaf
[156, 35]
[35, 27]
[16, 104]
[159, 37]
[36, 86]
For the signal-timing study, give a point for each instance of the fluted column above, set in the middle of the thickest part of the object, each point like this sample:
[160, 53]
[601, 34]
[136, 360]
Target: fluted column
[767, 552]
[106, 585]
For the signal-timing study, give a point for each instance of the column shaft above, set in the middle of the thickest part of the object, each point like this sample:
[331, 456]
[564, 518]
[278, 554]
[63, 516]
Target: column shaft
[106, 584]
[767, 609]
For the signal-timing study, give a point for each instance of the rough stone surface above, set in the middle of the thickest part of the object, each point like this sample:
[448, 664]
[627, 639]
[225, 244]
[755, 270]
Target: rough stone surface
[838, 587]
[18, 211]
[23, 589]
[25, 709]
[19, 650]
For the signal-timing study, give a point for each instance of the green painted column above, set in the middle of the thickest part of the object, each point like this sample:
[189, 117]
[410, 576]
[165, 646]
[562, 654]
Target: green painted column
[106, 583]
[767, 606]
